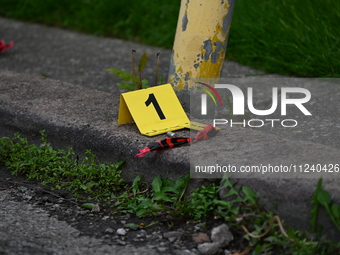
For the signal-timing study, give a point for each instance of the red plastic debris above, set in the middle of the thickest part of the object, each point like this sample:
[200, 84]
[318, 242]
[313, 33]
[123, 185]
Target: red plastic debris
[205, 133]
[163, 144]
[4, 47]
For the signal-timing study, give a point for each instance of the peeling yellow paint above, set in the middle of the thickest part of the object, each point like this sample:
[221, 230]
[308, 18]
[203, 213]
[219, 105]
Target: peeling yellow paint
[199, 51]
[180, 84]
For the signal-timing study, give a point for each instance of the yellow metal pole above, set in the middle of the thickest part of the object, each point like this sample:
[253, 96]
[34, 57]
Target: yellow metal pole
[201, 40]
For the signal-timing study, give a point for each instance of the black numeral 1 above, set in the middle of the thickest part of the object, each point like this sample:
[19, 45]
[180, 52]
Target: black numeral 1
[152, 100]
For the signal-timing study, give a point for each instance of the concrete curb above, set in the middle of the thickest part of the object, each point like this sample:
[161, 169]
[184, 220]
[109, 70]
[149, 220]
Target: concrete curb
[84, 118]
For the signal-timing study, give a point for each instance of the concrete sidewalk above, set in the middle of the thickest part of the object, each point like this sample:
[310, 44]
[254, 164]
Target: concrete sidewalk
[78, 107]
[82, 59]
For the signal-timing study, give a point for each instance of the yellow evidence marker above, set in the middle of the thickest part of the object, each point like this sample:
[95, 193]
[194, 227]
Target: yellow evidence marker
[155, 110]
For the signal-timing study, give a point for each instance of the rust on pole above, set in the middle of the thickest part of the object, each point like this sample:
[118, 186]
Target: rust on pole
[201, 41]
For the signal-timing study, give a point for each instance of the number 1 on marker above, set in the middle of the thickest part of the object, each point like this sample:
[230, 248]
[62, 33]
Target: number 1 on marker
[152, 100]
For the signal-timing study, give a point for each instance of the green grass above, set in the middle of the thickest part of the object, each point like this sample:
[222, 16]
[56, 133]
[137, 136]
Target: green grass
[61, 168]
[150, 22]
[290, 37]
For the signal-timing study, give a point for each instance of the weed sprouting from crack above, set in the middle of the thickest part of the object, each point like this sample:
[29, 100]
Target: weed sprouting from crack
[130, 81]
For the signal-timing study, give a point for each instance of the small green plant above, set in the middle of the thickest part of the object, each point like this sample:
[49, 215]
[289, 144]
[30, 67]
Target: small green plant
[130, 80]
[61, 168]
[322, 198]
[165, 196]
[201, 203]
